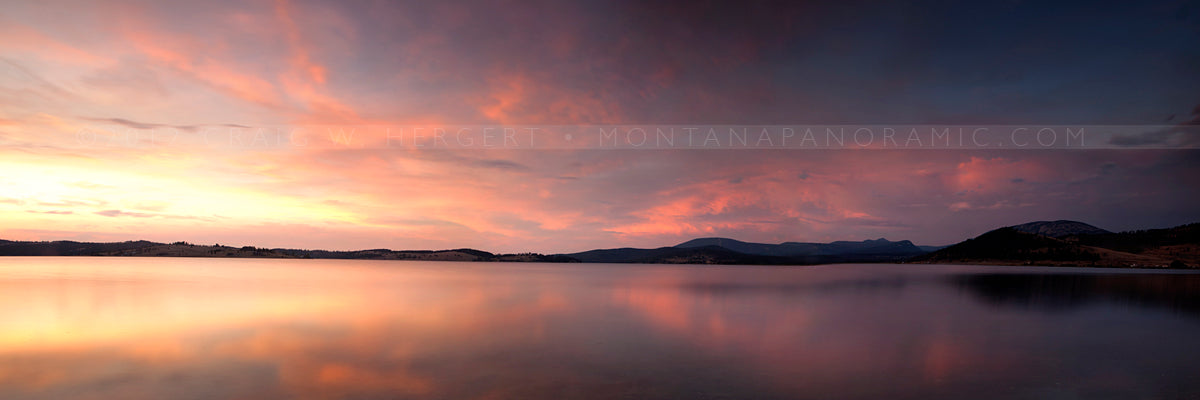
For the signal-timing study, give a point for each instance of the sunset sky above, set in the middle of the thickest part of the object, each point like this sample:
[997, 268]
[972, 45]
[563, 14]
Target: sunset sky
[108, 114]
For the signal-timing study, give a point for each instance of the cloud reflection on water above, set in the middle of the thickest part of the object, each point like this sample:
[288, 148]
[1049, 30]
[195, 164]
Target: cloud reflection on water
[153, 328]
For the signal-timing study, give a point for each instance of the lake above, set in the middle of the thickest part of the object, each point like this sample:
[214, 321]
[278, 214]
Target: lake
[154, 328]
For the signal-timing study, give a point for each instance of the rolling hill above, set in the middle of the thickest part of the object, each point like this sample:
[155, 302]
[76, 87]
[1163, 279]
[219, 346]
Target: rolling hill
[144, 248]
[1075, 244]
[1050, 243]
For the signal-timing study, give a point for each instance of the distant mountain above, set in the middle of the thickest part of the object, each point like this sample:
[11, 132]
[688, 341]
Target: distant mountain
[879, 246]
[731, 251]
[1050, 243]
[675, 255]
[1058, 229]
[1176, 247]
[785, 249]
[424, 255]
[792, 249]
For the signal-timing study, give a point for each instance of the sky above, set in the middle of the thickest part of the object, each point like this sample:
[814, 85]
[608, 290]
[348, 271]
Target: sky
[128, 120]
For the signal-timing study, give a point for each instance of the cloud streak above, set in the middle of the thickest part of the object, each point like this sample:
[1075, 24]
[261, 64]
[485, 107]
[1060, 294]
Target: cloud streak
[152, 67]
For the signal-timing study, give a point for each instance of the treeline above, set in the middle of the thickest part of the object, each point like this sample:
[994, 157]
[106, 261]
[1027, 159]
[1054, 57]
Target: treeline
[1142, 240]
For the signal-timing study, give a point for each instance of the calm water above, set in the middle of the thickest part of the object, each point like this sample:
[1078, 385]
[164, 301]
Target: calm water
[153, 328]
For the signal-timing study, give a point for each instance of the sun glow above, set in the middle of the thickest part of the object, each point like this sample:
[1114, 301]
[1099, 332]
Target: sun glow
[62, 196]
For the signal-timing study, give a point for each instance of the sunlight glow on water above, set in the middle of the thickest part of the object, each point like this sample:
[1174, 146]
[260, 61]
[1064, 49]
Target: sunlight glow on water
[240, 328]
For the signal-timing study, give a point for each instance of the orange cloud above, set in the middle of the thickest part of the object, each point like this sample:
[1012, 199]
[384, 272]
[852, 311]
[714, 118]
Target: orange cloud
[996, 174]
[306, 79]
[179, 54]
[16, 37]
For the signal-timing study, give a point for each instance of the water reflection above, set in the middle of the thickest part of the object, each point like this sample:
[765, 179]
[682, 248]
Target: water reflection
[1067, 291]
[155, 328]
